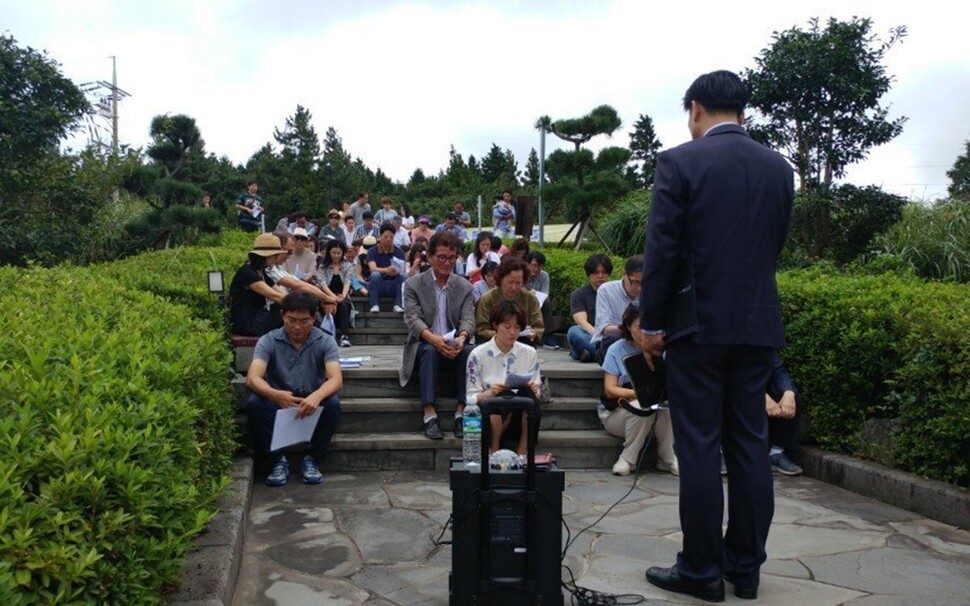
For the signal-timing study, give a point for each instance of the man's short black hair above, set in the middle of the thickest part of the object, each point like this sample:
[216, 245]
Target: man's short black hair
[720, 91]
[634, 265]
[367, 215]
[386, 227]
[598, 260]
[299, 301]
[451, 216]
[536, 256]
[250, 182]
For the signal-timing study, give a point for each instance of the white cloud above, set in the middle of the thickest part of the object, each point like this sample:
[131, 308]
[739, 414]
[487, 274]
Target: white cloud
[402, 81]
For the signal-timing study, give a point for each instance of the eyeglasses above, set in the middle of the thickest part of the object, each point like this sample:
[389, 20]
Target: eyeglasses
[445, 258]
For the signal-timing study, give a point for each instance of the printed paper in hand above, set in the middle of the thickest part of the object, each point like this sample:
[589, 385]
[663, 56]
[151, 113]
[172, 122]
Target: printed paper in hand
[515, 381]
[289, 430]
[540, 296]
[397, 264]
[449, 338]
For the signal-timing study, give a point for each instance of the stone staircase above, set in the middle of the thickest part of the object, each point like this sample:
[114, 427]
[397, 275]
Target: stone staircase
[381, 422]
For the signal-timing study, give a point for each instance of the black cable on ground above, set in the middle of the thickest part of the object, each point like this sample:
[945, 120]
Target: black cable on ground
[583, 596]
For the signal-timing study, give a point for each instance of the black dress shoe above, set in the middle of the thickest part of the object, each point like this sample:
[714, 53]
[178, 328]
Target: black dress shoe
[670, 579]
[431, 429]
[741, 590]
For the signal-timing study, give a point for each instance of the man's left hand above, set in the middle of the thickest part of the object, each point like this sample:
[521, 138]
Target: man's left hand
[653, 346]
[308, 405]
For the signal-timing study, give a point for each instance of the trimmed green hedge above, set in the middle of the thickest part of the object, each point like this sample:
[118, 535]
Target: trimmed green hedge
[886, 346]
[116, 434]
[861, 347]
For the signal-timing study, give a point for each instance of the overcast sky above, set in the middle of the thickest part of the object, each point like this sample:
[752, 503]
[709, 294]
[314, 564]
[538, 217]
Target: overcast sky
[402, 81]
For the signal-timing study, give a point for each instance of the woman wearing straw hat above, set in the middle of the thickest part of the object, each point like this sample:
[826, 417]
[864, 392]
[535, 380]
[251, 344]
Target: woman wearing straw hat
[253, 302]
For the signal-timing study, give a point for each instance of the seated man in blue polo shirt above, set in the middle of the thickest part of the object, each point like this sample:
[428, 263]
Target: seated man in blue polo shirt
[297, 366]
[386, 263]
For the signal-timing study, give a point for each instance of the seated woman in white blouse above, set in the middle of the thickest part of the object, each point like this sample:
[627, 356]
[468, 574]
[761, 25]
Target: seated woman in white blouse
[489, 366]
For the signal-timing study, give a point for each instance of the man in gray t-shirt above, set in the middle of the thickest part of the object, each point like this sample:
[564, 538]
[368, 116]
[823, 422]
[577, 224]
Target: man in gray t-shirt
[297, 366]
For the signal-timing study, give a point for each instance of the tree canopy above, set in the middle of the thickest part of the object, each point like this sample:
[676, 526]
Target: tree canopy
[817, 96]
[38, 105]
[960, 175]
[644, 147]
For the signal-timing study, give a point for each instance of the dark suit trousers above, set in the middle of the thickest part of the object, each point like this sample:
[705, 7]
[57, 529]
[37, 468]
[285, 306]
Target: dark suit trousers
[428, 364]
[717, 395]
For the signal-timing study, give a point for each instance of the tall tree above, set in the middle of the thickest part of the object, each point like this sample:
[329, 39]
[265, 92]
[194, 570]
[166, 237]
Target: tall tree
[817, 95]
[298, 139]
[578, 178]
[532, 168]
[38, 105]
[960, 175]
[173, 139]
[644, 147]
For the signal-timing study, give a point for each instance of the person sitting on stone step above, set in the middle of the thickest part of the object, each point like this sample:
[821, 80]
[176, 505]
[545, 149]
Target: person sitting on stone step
[782, 408]
[296, 366]
[490, 366]
[440, 316]
[622, 423]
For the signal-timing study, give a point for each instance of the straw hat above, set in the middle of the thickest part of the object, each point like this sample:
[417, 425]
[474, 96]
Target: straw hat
[266, 245]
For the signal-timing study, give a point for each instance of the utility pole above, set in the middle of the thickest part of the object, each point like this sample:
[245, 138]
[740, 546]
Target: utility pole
[542, 177]
[106, 95]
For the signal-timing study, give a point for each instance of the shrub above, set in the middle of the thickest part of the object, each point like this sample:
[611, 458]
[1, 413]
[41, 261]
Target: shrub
[625, 229]
[566, 274]
[885, 346]
[115, 437]
[933, 240]
[838, 223]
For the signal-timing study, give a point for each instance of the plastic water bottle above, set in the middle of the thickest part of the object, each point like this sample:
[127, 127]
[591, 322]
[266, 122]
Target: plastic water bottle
[471, 443]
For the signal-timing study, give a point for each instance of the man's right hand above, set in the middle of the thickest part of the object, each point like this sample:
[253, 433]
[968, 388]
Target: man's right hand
[285, 399]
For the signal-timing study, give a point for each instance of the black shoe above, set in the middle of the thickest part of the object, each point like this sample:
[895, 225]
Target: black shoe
[670, 579]
[459, 430]
[431, 429]
[741, 590]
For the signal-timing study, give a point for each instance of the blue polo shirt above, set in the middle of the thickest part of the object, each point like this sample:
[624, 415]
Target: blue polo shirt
[383, 259]
[300, 371]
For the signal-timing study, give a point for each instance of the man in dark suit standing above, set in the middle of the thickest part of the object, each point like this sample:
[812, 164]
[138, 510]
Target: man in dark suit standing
[718, 219]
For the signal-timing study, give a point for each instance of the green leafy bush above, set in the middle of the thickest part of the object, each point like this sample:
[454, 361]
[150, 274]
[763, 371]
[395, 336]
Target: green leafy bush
[933, 240]
[115, 436]
[838, 223]
[625, 228]
[566, 274]
[885, 346]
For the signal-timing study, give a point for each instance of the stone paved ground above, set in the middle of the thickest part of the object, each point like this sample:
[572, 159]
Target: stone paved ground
[366, 538]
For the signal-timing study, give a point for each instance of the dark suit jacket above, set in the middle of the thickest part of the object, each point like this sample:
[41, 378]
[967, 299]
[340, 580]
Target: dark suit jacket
[721, 203]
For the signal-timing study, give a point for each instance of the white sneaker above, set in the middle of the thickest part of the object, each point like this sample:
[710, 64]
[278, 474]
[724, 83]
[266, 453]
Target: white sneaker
[621, 467]
[671, 468]
[398, 309]
[375, 308]
[344, 341]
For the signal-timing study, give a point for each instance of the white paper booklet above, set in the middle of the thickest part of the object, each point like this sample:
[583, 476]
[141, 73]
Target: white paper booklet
[289, 430]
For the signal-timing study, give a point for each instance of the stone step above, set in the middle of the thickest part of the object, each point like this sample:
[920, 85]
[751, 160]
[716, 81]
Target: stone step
[376, 336]
[383, 384]
[573, 449]
[383, 319]
[373, 415]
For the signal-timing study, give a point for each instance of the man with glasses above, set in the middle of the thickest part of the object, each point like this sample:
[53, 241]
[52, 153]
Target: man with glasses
[439, 312]
[296, 366]
[612, 299]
